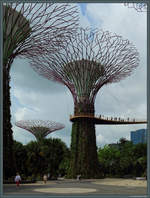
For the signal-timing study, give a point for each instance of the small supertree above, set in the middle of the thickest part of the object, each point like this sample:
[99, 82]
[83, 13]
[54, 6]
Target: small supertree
[39, 128]
[140, 7]
[91, 60]
[30, 29]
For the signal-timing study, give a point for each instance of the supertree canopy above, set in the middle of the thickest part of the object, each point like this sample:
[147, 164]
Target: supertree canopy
[90, 60]
[30, 29]
[39, 128]
[140, 7]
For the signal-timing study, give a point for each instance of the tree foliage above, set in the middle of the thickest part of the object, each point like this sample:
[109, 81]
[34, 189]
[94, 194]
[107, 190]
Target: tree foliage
[124, 159]
[53, 156]
[38, 158]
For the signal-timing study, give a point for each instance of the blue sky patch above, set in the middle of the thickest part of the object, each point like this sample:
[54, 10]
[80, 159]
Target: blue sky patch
[83, 8]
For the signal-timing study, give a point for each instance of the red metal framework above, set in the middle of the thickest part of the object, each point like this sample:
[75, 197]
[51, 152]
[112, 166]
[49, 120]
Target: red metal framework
[90, 60]
[39, 128]
[140, 7]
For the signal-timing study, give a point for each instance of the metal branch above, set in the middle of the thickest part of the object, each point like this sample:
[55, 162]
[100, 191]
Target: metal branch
[89, 61]
[39, 128]
[139, 7]
[30, 29]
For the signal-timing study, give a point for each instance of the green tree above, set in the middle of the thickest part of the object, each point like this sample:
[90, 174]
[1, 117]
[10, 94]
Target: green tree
[140, 159]
[45, 157]
[54, 154]
[35, 160]
[108, 158]
[125, 159]
[21, 157]
[64, 165]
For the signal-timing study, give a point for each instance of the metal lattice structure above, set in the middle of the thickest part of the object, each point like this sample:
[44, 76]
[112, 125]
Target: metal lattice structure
[31, 28]
[139, 7]
[39, 128]
[90, 60]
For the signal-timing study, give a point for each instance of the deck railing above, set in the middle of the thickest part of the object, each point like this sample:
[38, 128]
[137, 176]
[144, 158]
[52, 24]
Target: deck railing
[102, 117]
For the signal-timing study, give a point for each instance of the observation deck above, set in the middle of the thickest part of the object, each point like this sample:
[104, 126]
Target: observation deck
[106, 120]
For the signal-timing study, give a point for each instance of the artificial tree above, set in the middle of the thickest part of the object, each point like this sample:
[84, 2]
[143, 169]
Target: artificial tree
[90, 60]
[30, 29]
[39, 128]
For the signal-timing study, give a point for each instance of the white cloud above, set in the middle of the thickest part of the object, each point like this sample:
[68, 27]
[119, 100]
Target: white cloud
[101, 140]
[20, 113]
[107, 134]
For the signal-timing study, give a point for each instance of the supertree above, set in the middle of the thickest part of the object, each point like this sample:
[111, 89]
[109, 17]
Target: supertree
[139, 7]
[90, 60]
[39, 128]
[30, 29]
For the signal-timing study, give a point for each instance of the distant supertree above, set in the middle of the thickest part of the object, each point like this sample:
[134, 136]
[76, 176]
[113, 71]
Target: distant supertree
[29, 29]
[140, 7]
[39, 128]
[91, 60]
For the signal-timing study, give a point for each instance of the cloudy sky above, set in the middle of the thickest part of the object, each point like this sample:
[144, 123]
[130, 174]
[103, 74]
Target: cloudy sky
[34, 97]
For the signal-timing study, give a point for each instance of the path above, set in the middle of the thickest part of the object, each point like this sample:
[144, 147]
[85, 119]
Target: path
[82, 187]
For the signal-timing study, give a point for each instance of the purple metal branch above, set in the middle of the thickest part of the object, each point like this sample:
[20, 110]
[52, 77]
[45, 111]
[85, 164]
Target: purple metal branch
[39, 127]
[34, 28]
[139, 7]
[90, 60]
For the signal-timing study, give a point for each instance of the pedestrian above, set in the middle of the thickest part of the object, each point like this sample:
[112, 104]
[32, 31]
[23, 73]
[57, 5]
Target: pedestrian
[45, 179]
[78, 177]
[17, 179]
[48, 176]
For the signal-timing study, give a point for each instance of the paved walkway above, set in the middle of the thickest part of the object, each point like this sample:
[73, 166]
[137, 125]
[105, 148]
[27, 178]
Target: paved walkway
[82, 187]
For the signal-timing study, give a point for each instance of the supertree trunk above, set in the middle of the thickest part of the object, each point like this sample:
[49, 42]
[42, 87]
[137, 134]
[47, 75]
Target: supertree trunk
[9, 165]
[84, 158]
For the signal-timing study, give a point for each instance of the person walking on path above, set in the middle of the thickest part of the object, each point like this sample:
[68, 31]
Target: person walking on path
[17, 179]
[45, 179]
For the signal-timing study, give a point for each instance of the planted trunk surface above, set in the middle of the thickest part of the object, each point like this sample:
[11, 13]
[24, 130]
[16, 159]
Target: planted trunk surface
[9, 167]
[84, 160]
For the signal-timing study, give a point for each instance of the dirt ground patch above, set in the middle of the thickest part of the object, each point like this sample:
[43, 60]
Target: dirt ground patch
[121, 182]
